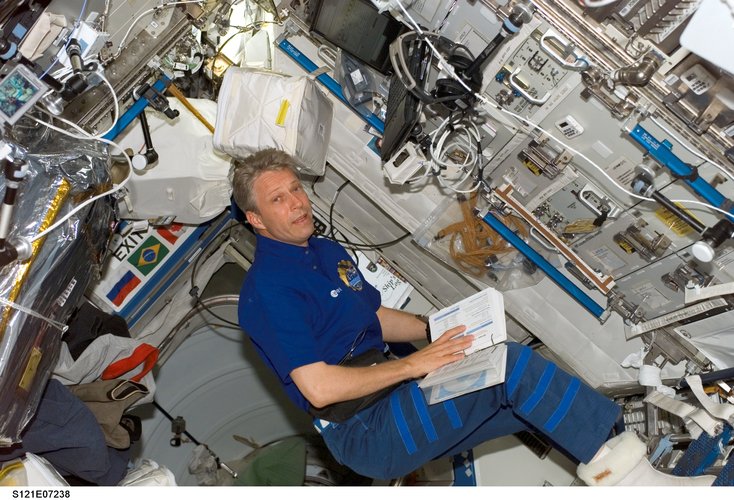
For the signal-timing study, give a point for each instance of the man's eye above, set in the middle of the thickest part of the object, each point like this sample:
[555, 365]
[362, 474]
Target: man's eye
[277, 199]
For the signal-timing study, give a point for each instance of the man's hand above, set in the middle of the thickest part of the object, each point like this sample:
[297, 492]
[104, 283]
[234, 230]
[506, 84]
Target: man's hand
[446, 349]
[324, 384]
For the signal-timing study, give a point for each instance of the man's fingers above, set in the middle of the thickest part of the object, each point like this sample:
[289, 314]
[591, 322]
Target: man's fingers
[452, 332]
[453, 345]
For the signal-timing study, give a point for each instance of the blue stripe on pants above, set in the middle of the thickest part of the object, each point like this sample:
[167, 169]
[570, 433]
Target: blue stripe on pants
[402, 424]
[420, 407]
[564, 406]
[540, 389]
[453, 414]
[517, 371]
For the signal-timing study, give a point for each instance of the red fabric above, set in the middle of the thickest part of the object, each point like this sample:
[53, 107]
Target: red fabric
[144, 354]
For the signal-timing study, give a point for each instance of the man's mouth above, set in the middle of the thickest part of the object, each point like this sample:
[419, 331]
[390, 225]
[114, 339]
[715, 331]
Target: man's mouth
[300, 220]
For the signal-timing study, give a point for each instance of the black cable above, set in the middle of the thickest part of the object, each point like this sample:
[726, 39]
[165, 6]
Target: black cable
[331, 210]
[480, 170]
[345, 241]
[169, 417]
[331, 234]
[377, 246]
[194, 292]
[313, 184]
[445, 18]
[710, 377]
[349, 246]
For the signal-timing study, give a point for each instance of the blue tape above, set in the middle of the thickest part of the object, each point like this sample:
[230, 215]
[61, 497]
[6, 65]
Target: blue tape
[564, 406]
[422, 409]
[12, 49]
[453, 413]
[540, 389]
[510, 27]
[402, 424]
[513, 380]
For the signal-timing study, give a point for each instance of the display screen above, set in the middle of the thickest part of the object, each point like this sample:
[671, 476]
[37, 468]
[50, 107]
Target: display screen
[357, 27]
[403, 108]
[19, 90]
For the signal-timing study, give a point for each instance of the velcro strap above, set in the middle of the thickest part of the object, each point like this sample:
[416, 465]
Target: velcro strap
[696, 419]
[318, 72]
[721, 411]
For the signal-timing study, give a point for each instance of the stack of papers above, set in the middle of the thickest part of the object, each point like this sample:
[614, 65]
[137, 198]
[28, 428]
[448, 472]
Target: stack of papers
[483, 314]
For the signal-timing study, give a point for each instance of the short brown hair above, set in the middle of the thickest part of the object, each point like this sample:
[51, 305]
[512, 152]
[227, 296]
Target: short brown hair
[247, 170]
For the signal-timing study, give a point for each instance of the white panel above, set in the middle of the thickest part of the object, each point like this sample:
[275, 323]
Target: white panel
[710, 33]
[507, 462]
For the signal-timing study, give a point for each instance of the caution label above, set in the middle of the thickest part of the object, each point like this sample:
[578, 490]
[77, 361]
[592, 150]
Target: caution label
[674, 223]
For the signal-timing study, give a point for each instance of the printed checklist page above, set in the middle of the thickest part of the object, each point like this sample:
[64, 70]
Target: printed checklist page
[483, 314]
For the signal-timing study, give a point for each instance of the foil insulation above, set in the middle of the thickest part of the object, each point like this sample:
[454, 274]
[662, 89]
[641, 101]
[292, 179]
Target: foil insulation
[62, 173]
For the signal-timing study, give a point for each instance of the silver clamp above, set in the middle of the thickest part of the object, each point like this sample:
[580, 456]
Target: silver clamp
[580, 64]
[516, 86]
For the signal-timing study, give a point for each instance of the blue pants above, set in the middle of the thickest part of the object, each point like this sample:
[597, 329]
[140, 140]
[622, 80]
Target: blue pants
[402, 432]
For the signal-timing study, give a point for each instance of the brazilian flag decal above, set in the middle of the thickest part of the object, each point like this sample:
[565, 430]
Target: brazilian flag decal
[148, 255]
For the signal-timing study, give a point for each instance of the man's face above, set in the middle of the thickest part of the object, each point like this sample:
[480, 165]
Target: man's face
[283, 208]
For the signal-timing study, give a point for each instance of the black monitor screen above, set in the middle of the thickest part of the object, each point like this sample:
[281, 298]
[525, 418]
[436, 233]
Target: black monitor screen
[402, 115]
[403, 107]
[357, 27]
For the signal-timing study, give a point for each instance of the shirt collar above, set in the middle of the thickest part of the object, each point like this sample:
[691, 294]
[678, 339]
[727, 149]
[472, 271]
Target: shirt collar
[269, 246]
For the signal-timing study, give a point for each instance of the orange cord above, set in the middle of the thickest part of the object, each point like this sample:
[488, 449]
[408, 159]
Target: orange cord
[473, 242]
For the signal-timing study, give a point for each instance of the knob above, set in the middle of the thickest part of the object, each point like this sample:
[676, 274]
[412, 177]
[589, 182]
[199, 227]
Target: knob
[703, 251]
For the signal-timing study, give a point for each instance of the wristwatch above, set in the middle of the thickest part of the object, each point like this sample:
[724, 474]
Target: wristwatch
[428, 326]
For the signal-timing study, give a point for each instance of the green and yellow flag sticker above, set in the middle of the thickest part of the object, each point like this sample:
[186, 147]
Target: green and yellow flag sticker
[148, 255]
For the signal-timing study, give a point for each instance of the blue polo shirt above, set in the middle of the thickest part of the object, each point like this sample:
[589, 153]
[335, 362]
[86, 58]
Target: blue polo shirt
[301, 305]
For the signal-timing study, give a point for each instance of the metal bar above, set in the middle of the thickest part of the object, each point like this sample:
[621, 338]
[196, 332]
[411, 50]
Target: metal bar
[662, 153]
[134, 110]
[678, 212]
[176, 92]
[604, 283]
[537, 259]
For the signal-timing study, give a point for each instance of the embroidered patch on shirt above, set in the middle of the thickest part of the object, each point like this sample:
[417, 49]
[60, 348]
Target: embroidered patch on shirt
[349, 275]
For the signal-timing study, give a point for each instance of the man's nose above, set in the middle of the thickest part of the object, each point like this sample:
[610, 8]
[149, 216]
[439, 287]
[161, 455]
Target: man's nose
[295, 201]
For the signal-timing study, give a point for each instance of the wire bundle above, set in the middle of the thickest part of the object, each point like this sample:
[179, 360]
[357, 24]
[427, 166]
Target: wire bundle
[473, 245]
[444, 65]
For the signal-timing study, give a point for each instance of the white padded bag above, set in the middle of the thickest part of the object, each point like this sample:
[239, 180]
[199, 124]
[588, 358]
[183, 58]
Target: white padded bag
[258, 109]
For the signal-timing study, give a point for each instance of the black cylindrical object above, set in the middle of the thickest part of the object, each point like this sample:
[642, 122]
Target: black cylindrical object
[707, 378]
[678, 212]
[719, 233]
[74, 51]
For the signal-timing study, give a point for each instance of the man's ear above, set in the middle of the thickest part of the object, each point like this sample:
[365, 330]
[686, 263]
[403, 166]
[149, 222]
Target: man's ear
[254, 220]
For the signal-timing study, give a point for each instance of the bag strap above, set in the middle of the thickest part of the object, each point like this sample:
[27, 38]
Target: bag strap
[144, 354]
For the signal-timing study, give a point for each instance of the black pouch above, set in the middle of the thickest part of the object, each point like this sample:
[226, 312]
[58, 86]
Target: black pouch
[344, 410]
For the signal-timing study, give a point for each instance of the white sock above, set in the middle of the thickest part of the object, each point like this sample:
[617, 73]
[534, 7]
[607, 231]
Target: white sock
[622, 461]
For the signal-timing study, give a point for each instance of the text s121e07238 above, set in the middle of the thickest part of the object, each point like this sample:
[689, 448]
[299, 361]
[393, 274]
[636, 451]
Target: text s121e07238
[41, 493]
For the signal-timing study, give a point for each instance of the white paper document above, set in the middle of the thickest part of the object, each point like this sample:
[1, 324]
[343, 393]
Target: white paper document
[394, 290]
[483, 314]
